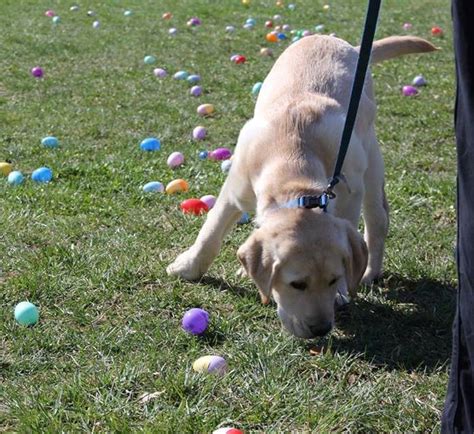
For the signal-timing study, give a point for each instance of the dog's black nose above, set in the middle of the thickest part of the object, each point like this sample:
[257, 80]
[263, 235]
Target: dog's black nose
[321, 329]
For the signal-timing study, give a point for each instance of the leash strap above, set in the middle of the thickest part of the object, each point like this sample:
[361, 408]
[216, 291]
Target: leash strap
[357, 86]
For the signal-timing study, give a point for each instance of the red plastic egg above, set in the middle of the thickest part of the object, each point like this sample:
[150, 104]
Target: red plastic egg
[436, 31]
[240, 59]
[194, 206]
[269, 24]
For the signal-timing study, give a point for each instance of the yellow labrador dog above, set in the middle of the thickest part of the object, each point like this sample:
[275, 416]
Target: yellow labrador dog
[306, 259]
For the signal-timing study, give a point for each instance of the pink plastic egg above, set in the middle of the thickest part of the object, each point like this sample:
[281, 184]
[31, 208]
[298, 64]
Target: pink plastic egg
[175, 160]
[199, 133]
[209, 200]
[409, 90]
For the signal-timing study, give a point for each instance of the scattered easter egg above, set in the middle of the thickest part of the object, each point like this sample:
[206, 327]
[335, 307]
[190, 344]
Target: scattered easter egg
[37, 72]
[194, 206]
[199, 133]
[160, 73]
[203, 155]
[193, 79]
[181, 75]
[149, 60]
[173, 31]
[150, 144]
[326, 7]
[291, 6]
[5, 168]
[251, 21]
[26, 313]
[256, 88]
[43, 174]
[50, 13]
[195, 321]
[436, 31]
[266, 52]
[194, 21]
[74, 8]
[175, 160]
[269, 24]
[167, 16]
[281, 36]
[248, 26]
[233, 57]
[246, 2]
[271, 37]
[226, 165]
[409, 90]
[50, 142]
[205, 109]
[407, 26]
[279, 4]
[319, 28]
[56, 19]
[96, 24]
[209, 200]
[277, 17]
[286, 27]
[196, 91]
[15, 178]
[220, 154]
[230, 29]
[153, 187]
[419, 81]
[240, 59]
[91, 14]
[305, 33]
[244, 219]
[211, 364]
[177, 186]
[227, 430]
[128, 13]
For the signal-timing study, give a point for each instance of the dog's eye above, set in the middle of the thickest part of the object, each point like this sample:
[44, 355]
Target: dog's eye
[299, 285]
[333, 281]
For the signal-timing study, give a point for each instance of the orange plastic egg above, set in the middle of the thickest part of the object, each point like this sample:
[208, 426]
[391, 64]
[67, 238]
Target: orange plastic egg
[271, 37]
[177, 186]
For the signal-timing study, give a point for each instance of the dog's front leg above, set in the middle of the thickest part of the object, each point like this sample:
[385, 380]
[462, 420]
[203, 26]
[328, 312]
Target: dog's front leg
[195, 261]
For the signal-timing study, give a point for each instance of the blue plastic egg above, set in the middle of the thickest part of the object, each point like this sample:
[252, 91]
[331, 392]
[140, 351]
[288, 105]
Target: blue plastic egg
[50, 142]
[128, 13]
[181, 75]
[244, 219]
[251, 21]
[43, 174]
[154, 187]
[193, 79]
[15, 178]
[281, 36]
[150, 144]
[203, 155]
[26, 313]
[149, 60]
[256, 88]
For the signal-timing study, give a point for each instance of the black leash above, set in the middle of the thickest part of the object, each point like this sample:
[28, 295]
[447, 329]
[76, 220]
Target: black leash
[357, 87]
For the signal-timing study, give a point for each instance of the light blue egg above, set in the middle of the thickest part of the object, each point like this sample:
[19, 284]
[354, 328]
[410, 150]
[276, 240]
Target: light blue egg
[153, 187]
[226, 165]
[194, 78]
[256, 88]
[15, 177]
[244, 219]
[248, 26]
[291, 6]
[319, 28]
[26, 313]
[296, 38]
[150, 144]
[251, 21]
[128, 13]
[149, 60]
[50, 142]
[56, 20]
[181, 75]
[43, 174]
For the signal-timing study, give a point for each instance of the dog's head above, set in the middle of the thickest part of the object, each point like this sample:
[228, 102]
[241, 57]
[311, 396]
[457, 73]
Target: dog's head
[303, 259]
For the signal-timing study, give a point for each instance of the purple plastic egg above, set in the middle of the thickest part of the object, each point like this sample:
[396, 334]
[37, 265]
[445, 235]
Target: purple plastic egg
[419, 80]
[409, 90]
[407, 26]
[195, 321]
[196, 91]
[209, 200]
[160, 73]
[199, 133]
[175, 160]
[37, 72]
[220, 154]
[217, 365]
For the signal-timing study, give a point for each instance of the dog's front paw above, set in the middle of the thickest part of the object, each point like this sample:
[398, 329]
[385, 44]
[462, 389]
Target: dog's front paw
[370, 276]
[186, 266]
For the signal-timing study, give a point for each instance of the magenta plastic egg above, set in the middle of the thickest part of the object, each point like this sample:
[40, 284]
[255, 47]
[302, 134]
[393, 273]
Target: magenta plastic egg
[175, 159]
[220, 154]
[409, 90]
[199, 133]
[50, 13]
[209, 200]
[37, 72]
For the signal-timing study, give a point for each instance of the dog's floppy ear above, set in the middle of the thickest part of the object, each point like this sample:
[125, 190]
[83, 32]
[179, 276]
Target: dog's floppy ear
[259, 264]
[356, 262]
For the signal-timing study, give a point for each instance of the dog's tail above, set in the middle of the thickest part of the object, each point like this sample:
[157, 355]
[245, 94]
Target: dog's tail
[395, 46]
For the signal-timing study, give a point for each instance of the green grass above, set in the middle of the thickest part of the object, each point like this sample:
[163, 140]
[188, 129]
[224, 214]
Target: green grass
[90, 249]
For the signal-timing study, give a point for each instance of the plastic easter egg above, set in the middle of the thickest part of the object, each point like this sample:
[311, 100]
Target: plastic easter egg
[246, 2]
[50, 13]
[15, 178]
[291, 6]
[160, 73]
[167, 16]
[194, 206]
[295, 38]
[319, 28]
[248, 26]
[209, 200]
[244, 219]
[74, 8]
[277, 17]
[149, 60]
[203, 155]
[269, 24]
[286, 27]
[199, 133]
[205, 109]
[128, 13]
[37, 72]
[271, 37]
[281, 36]
[306, 33]
[211, 364]
[256, 88]
[326, 8]
[177, 186]
[251, 21]
[96, 24]
[240, 59]
[279, 3]
[230, 29]
[196, 91]
[266, 52]
[26, 313]
[91, 14]
[407, 26]
[220, 154]
[436, 31]
[409, 90]
[419, 81]
[193, 79]
[173, 31]
[43, 174]
[226, 165]
[153, 187]
[181, 75]
[227, 430]
[175, 160]
[195, 321]
[194, 21]
[233, 57]
[50, 142]
[150, 144]
[56, 20]
[5, 168]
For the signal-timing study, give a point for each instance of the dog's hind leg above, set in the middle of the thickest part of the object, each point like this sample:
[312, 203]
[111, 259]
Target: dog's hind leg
[375, 213]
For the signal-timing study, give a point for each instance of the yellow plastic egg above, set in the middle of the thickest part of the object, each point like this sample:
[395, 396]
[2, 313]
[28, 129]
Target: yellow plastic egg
[5, 168]
[326, 7]
[177, 186]
[246, 2]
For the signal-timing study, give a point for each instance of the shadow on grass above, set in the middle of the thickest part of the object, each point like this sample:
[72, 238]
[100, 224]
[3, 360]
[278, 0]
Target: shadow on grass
[407, 325]
[222, 285]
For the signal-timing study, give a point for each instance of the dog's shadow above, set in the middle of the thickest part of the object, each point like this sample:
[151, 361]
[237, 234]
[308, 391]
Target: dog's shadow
[410, 329]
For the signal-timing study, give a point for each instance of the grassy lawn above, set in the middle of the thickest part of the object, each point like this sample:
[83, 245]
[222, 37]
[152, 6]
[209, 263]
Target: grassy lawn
[90, 248]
